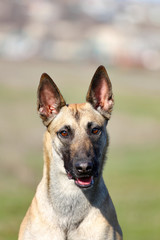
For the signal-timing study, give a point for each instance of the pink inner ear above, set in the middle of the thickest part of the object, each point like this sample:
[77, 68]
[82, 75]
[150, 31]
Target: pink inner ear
[48, 102]
[102, 94]
[47, 97]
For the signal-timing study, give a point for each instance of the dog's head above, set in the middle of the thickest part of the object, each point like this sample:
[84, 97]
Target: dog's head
[78, 131]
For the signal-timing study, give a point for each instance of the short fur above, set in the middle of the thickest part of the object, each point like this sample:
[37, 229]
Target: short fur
[67, 204]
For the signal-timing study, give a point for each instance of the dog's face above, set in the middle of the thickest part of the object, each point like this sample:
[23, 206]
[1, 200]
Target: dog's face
[78, 131]
[79, 136]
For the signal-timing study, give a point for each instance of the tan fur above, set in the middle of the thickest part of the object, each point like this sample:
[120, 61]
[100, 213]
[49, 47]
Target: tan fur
[60, 210]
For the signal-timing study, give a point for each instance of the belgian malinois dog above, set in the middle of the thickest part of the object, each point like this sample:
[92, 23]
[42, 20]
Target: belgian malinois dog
[72, 201]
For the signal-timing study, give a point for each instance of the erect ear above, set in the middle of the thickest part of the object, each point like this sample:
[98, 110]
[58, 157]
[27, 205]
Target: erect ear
[100, 92]
[50, 100]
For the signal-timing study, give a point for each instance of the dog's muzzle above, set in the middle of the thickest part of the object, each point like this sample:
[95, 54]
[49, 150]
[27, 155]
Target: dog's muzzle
[84, 174]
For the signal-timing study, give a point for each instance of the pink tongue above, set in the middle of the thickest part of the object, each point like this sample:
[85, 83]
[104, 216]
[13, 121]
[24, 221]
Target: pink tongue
[84, 181]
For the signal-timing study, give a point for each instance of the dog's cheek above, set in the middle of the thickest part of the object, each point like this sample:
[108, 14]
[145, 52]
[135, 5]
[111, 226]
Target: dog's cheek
[100, 150]
[99, 146]
[66, 156]
[57, 146]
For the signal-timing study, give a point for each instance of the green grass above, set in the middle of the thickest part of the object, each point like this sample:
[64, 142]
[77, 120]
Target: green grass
[14, 199]
[133, 166]
[139, 105]
[133, 179]
[9, 94]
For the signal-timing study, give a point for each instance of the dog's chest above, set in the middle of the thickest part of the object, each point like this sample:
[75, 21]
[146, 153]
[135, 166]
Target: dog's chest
[70, 208]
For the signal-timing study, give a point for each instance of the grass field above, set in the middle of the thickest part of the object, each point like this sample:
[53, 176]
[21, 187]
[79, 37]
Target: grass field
[132, 172]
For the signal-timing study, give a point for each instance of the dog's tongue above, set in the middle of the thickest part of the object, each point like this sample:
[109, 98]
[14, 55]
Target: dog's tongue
[86, 181]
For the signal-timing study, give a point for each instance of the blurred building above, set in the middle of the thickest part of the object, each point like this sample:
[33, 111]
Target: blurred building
[119, 32]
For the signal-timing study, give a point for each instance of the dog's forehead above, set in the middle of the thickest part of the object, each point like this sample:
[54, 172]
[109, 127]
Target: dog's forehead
[84, 113]
[75, 115]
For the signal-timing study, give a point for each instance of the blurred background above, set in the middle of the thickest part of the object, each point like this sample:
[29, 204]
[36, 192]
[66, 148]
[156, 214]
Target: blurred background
[69, 40]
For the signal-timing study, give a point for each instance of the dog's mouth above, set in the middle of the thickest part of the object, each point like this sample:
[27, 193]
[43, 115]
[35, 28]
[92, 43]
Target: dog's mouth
[82, 182]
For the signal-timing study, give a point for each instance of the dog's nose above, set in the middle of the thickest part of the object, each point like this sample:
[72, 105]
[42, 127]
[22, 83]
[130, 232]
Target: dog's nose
[84, 167]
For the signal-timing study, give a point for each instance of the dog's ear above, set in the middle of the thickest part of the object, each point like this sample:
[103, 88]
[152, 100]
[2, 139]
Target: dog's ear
[100, 92]
[49, 99]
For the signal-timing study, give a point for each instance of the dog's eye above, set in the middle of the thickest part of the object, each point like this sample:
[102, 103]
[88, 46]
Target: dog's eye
[96, 131]
[64, 133]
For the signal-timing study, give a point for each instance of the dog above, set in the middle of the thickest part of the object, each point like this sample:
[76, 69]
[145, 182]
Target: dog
[72, 201]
